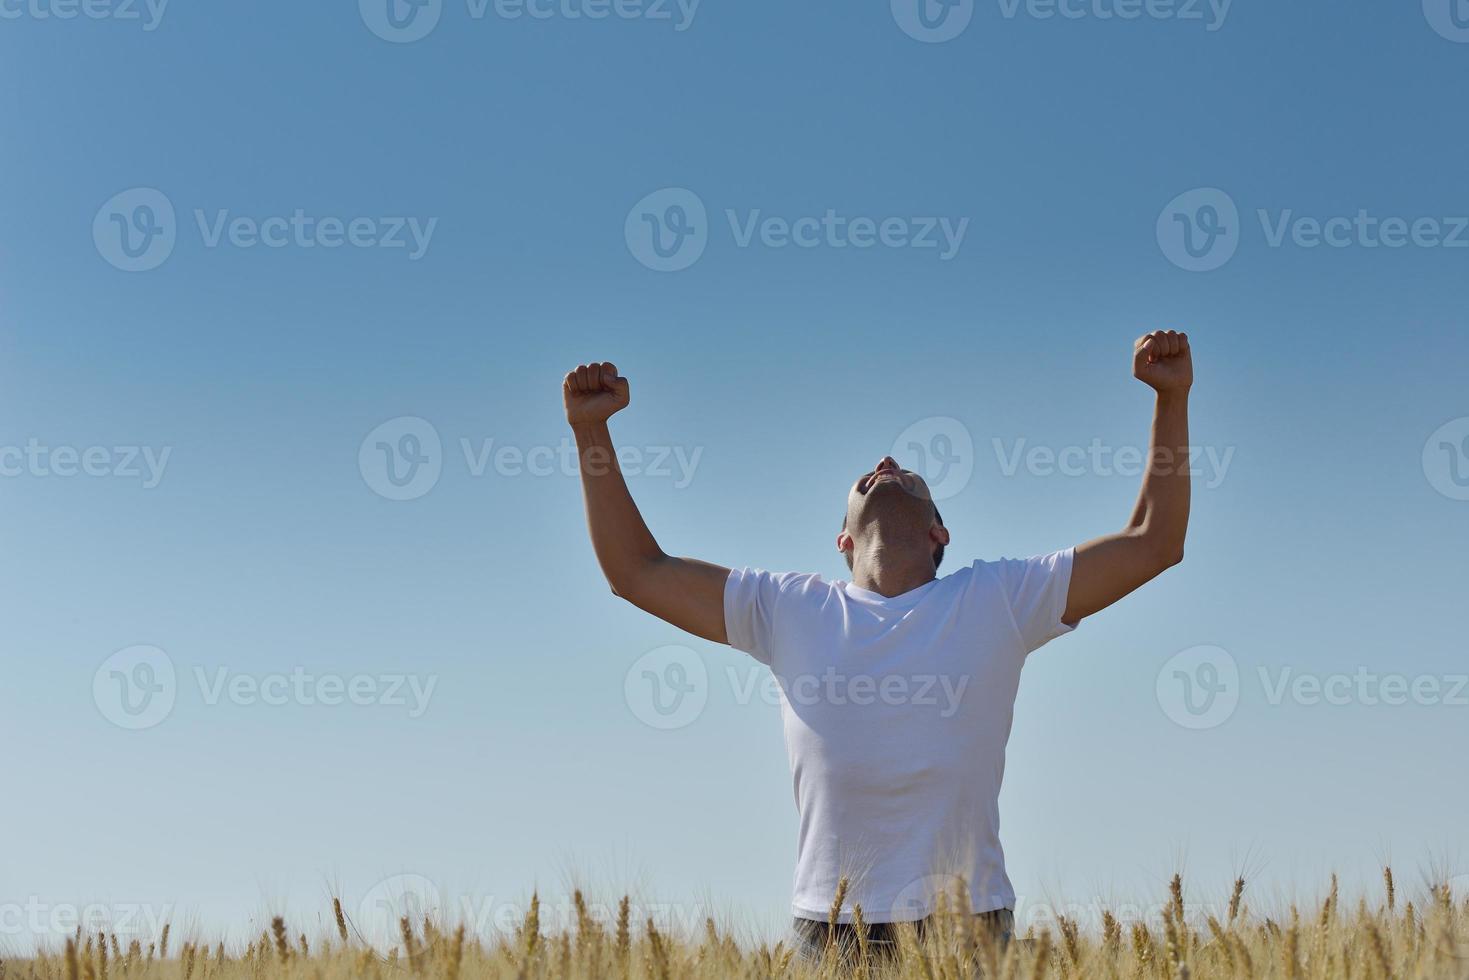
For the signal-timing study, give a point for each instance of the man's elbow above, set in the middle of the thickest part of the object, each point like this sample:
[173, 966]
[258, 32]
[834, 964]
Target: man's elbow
[625, 589]
[1169, 557]
[629, 581]
[1163, 551]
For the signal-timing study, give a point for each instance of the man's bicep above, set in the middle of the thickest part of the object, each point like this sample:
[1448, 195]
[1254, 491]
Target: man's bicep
[1107, 568]
[686, 593]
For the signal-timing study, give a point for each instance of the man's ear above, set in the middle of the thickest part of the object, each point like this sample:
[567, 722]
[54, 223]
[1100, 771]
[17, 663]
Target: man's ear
[939, 534]
[844, 542]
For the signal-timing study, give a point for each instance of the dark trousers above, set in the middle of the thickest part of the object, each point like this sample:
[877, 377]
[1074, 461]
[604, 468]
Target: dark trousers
[882, 937]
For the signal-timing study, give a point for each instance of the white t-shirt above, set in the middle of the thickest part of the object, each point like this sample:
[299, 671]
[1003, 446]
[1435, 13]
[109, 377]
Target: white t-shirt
[896, 716]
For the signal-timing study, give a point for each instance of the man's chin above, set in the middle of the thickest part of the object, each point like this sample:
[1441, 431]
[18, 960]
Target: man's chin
[895, 489]
[892, 500]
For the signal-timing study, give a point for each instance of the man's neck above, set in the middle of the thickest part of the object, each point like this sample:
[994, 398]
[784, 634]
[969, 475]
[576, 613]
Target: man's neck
[891, 571]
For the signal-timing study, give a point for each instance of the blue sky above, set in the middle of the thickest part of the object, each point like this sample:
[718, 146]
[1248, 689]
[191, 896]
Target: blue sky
[1066, 155]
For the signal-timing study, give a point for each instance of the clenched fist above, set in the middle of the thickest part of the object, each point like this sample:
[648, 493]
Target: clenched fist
[594, 393]
[1162, 361]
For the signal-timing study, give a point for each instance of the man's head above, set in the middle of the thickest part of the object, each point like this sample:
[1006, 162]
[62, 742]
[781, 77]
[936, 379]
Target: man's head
[892, 507]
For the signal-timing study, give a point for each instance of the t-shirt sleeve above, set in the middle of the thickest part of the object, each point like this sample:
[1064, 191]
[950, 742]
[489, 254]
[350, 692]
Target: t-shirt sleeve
[752, 601]
[1036, 589]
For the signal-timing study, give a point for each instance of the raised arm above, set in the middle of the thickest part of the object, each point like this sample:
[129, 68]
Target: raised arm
[687, 593]
[1108, 568]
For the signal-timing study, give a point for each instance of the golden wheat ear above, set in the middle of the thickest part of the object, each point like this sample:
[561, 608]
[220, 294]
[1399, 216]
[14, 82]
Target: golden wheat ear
[341, 919]
[835, 914]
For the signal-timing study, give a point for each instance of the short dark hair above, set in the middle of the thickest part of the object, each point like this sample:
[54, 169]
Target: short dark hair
[938, 553]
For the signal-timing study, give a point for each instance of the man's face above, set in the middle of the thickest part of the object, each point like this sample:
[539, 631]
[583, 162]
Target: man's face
[896, 498]
[887, 480]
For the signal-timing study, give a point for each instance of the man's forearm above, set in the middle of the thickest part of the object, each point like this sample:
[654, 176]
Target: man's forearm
[1161, 515]
[620, 537]
[1107, 568]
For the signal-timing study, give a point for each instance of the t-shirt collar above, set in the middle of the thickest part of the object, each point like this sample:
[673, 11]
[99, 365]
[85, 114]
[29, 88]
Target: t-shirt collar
[900, 600]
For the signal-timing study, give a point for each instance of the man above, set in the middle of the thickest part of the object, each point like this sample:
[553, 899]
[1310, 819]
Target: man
[897, 687]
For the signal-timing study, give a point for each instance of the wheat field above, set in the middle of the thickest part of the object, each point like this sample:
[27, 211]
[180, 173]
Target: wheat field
[1392, 939]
